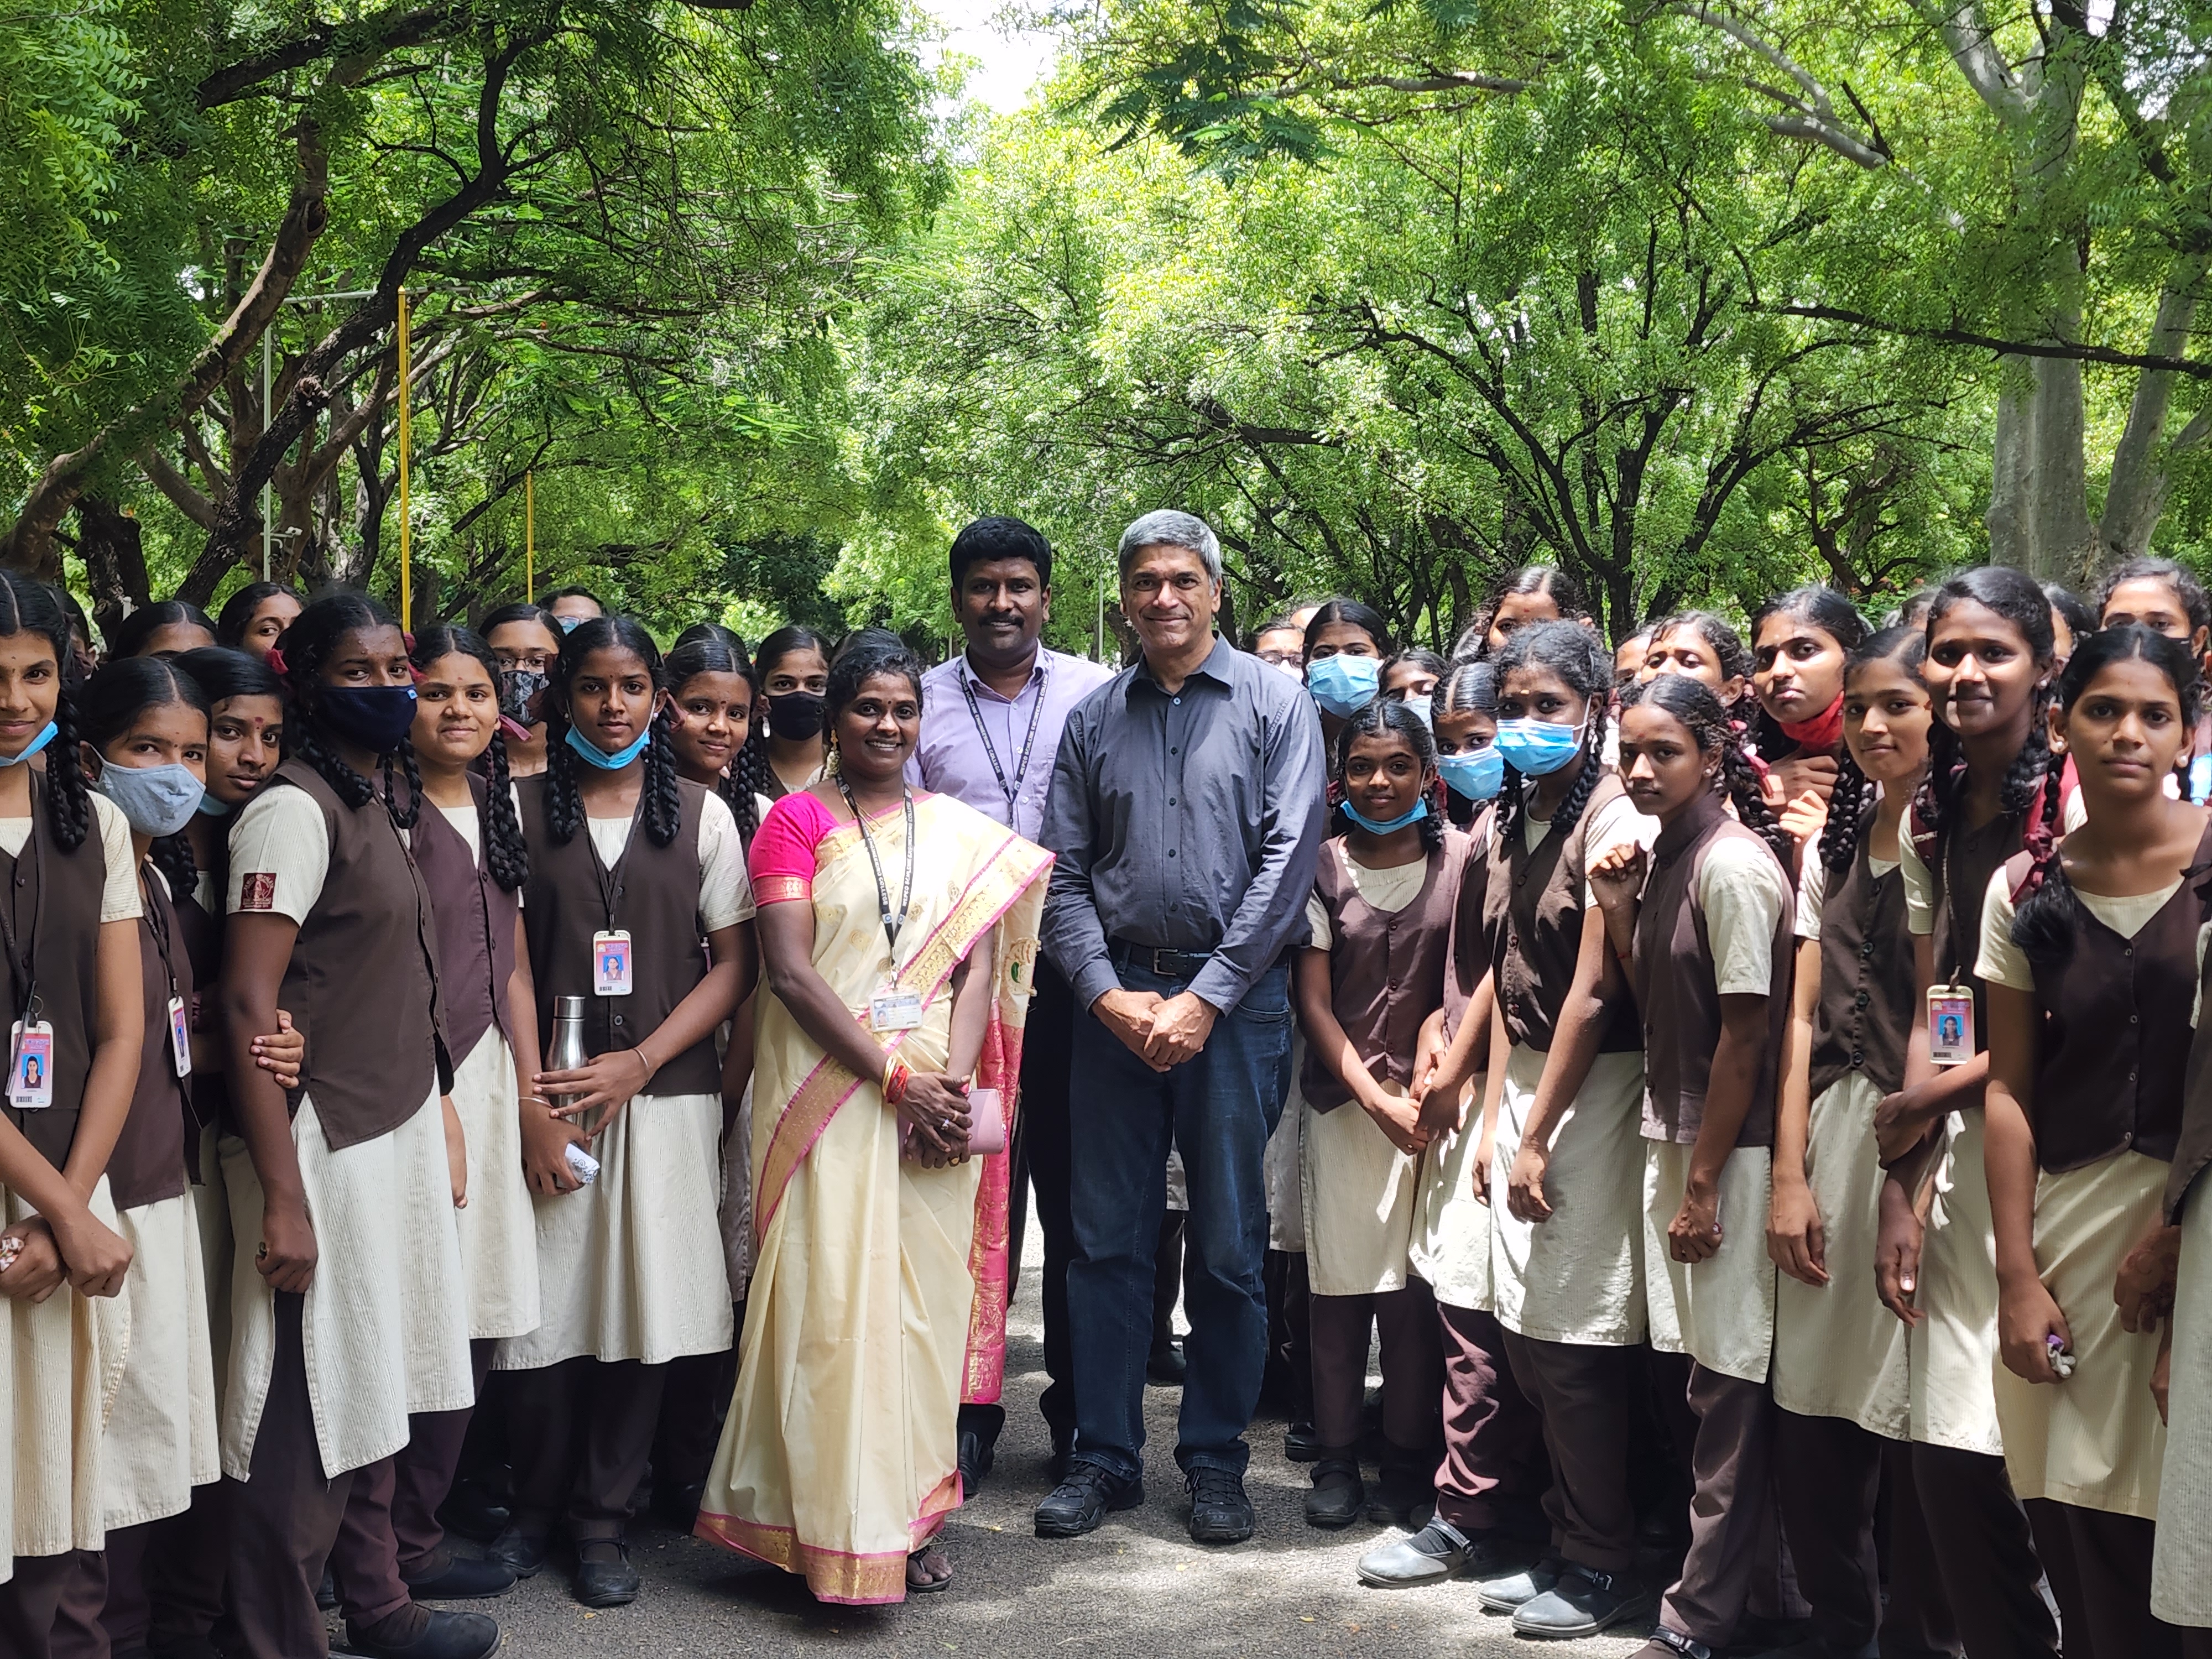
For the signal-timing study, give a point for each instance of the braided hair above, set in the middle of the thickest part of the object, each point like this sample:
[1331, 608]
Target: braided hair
[2012, 595]
[128, 637]
[1579, 658]
[505, 853]
[2043, 925]
[315, 633]
[1854, 791]
[1379, 718]
[29, 606]
[1698, 708]
[564, 798]
[123, 689]
[1474, 642]
[1819, 607]
[711, 648]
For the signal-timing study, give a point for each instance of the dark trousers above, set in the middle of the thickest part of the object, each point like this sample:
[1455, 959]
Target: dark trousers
[1167, 1277]
[412, 1485]
[1732, 1510]
[1492, 1471]
[1042, 1157]
[1582, 1394]
[2098, 1564]
[1290, 1345]
[1984, 1553]
[1413, 1371]
[582, 1436]
[185, 1573]
[1831, 1488]
[1218, 1108]
[288, 1518]
[693, 1405]
[50, 1608]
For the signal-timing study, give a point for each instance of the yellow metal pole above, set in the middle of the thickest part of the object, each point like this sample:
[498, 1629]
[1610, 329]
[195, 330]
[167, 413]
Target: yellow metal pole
[529, 537]
[406, 568]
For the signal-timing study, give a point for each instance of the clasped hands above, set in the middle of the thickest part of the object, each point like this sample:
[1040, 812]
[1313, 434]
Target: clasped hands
[1161, 1031]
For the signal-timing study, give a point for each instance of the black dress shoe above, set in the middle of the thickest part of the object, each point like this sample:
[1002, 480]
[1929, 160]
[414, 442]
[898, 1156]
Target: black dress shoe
[1167, 1366]
[1082, 1501]
[976, 1459]
[1220, 1513]
[522, 1553]
[461, 1578]
[1302, 1444]
[443, 1635]
[1338, 1494]
[326, 1593]
[605, 1577]
[472, 1511]
[677, 1507]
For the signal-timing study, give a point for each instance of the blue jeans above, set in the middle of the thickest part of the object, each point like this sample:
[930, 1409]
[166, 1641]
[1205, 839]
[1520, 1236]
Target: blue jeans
[1219, 1107]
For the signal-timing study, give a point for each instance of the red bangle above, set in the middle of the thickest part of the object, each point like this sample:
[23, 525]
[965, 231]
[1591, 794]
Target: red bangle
[895, 1084]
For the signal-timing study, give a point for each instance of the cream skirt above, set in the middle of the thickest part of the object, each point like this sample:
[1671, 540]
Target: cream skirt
[2181, 1559]
[211, 1209]
[1719, 1311]
[64, 1360]
[736, 1208]
[1574, 1278]
[1953, 1351]
[162, 1438]
[385, 1322]
[2093, 1440]
[631, 1267]
[1837, 1352]
[1451, 1245]
[1359, 1201]
[498, 1228]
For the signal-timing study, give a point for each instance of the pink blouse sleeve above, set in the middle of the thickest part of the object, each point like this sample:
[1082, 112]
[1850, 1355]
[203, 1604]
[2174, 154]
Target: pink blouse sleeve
[782, 862]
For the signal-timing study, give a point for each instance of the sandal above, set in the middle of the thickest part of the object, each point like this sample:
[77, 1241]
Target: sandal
[920, 1567]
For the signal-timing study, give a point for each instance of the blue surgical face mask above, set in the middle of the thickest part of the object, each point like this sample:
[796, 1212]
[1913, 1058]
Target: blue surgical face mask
[1422, 705]
[158, 800]
[1476, 776]
[590, 751]
[1376, 827]
[569, 624]
[1537, 748]
[209, 807]
[31, 748]
[1343, 684]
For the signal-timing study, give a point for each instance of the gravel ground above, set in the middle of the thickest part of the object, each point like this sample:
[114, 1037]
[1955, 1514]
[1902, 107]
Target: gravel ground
[1137, 1587]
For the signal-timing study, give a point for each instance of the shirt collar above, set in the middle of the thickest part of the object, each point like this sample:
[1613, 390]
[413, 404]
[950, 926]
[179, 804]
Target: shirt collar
[1219, 667]
[968, 676]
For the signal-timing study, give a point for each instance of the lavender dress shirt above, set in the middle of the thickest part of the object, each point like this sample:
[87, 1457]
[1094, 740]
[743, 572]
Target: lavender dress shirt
[955, 753]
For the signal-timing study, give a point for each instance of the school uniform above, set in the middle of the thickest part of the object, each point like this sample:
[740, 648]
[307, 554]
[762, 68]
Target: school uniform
[1841, 1374]
[630, 1268]
[2181, 1557]
[1388, 935]
[1493, 1468]
[323, 1385]
[1714, 920]
[161, 1431]
[2106, 1116]
[62, 1358]
[475, 920]
[1983, 1549]
[1567, 1292]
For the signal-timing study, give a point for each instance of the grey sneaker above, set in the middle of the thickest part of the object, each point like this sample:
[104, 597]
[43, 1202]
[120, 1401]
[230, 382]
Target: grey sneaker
[1582, 1604]
[1440, 1551]
[1517, 1589]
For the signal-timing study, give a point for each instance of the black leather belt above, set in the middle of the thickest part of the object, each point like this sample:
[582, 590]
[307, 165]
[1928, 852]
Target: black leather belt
[1168, 964]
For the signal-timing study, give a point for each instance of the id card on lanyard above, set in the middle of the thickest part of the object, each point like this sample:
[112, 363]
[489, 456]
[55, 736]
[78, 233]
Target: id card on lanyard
[31, 1039]
[1951, 1023]
[893, 1008]
[614, 962]
[180, 1023]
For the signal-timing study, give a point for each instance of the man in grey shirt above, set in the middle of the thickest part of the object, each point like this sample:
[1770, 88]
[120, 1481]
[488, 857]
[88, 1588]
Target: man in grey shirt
[1186, 806]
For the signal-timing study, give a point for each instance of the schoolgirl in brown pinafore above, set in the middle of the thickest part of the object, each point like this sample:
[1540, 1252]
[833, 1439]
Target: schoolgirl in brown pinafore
[68, 896]
[2091, 995]
[1382, 935]
[1712, 926]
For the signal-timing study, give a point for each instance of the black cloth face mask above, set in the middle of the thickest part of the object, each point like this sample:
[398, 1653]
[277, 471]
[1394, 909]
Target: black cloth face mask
[795, 716]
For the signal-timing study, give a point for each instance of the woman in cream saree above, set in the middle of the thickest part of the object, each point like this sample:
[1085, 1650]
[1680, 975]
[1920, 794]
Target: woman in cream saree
[879, 1297]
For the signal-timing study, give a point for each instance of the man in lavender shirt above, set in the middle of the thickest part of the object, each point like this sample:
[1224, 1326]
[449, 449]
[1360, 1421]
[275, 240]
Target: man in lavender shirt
[991, 720]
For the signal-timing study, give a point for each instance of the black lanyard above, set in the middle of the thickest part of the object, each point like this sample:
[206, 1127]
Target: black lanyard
[1011, 791]
[23, 967]
[157, 924]
[610, 880]
[891, 924]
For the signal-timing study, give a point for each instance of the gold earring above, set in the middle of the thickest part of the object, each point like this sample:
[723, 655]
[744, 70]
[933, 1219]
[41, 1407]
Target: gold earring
[830, 766]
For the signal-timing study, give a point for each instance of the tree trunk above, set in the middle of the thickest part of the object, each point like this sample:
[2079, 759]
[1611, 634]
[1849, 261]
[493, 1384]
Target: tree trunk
[2137, 494]
[114, 561]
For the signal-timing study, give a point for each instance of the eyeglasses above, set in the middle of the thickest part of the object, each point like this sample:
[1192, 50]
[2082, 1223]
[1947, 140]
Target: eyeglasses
[1280, 659]
[534, 662]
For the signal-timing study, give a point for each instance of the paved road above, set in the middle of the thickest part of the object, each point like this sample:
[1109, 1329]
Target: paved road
[1136, 1587]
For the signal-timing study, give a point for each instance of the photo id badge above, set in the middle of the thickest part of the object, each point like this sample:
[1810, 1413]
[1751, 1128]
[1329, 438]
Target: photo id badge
[1950, 1024]
[181, 1037]
[611, 965]
[31, 1074]
[894, 1009]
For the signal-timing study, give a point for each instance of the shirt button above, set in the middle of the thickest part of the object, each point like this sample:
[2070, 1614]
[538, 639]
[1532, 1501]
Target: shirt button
[1172, 800]
[1173, 749]
[1176, 699]
[1857, 1058]
[2133, 1020]
[1171, 852]
[1860, 1000]
[1867, 949]
[2127, 950]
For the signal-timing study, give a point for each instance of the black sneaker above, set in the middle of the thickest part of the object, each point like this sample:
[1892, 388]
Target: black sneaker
[1082, 1501]
[1337, 1495]
[1584, 1603]
[1302, 1444]
[1220, 1513]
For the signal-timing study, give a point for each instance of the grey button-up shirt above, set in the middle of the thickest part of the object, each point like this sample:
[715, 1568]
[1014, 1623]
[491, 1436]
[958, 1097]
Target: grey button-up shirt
[1185, 821]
